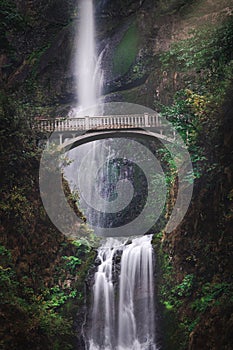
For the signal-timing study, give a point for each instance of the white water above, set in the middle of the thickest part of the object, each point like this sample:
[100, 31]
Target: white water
[88, 73]
[103, 314]
[89, 80]
[123, 317]
[122, 312]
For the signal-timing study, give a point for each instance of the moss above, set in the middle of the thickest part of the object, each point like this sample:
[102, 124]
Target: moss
[171, 6]
[126, 51]
[10, 20]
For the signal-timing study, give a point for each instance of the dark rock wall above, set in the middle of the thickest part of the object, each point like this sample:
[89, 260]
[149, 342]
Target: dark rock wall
[202, 246]
[39, 64]
[132, 34]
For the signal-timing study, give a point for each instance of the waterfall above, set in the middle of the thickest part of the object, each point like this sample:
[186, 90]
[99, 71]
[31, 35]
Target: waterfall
[136, 304]
[103, 314]
[123, 316]
[87, 69]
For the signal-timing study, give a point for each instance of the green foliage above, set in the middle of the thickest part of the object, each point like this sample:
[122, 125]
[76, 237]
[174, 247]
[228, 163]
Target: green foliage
[56, 296]
[46, 314]
[213, 295]
[170, 6]
[167, 277]
[5, 254]
[16, 205]
[18, 296]
[72, 262]
[79, 243]
[205, 62]
[185, 288]
[30, 309]
[188, 114]
[34, 59]
[126, 51]
[8, 283]
[181, 116]
[87, 241]
[169, 162]
[208, 50]
[10, 20]
[172, 297]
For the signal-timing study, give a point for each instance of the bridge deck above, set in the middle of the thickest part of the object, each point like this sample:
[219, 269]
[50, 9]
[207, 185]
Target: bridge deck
[66, 128]
[98, 122]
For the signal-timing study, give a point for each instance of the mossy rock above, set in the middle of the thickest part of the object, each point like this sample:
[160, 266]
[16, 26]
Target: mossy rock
[126, 51]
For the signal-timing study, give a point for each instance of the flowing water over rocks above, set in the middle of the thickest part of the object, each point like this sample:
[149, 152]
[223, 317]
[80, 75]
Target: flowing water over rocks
[122, 316]
[122, 312]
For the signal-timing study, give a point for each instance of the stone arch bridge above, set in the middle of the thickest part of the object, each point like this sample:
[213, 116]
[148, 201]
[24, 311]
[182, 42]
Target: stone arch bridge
[81, 130]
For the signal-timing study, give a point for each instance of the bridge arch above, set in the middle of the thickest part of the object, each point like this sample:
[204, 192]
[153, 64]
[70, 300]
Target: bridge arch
[93, 135]
[71, 227]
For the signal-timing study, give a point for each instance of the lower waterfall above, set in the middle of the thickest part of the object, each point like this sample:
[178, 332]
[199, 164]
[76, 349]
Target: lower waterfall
[123, 308]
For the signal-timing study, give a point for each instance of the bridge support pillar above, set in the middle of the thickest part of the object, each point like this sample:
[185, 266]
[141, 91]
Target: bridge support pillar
[146, 116]
[87, 123]
[60, 139]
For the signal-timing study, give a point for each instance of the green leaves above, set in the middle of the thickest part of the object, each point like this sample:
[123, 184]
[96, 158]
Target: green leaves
[172, 297]
[56, 296]
[207, 49]
[32, 314]
[213, 295]
[205, 58]
[10, 20]
[185, 288]
[72, 262]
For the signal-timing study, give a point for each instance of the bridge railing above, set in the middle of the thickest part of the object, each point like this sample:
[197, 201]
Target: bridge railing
[98, 122]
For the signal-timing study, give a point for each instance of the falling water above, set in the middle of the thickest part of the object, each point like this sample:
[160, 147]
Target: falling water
[88, 73]
[136, 304]
[123, 319]
[103, 315]
[122, 316]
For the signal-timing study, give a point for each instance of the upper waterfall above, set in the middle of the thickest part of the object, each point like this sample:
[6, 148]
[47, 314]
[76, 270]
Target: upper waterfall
[87, 70]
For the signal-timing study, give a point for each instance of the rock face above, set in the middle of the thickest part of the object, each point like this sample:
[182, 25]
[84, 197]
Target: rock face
[131, 35]
[119, 8]
[43, 48]
[42, 45]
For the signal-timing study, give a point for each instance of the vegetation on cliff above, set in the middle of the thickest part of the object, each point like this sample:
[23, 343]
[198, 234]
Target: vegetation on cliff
[42, 273]
[196, 282]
